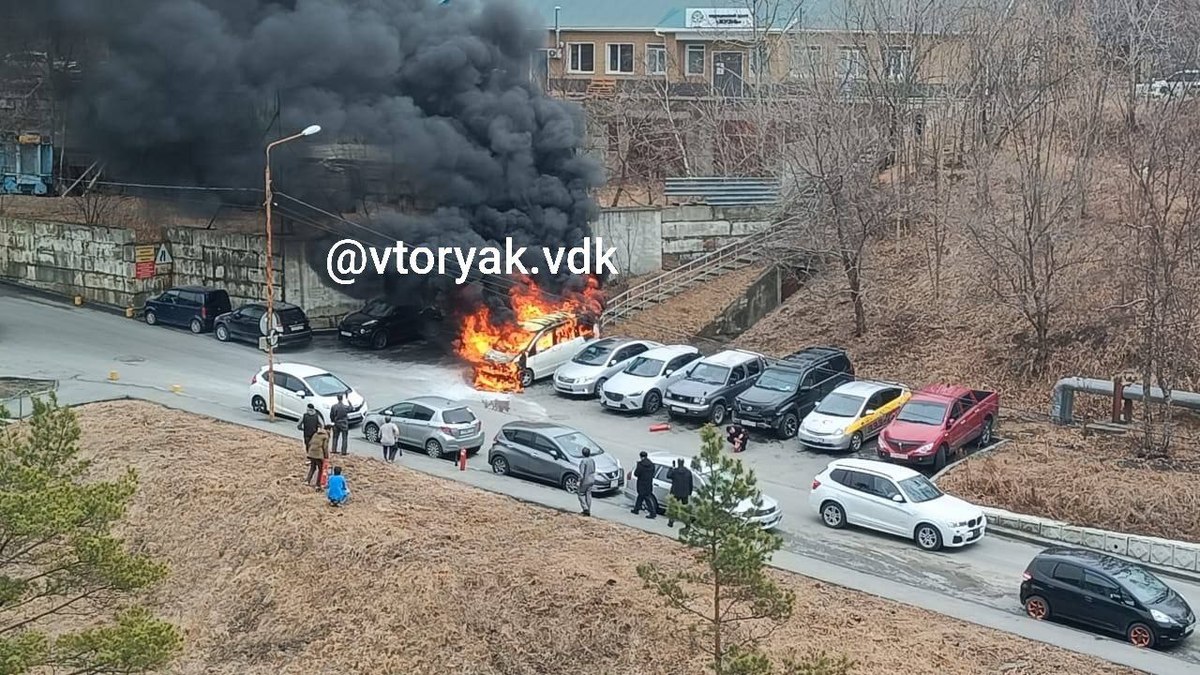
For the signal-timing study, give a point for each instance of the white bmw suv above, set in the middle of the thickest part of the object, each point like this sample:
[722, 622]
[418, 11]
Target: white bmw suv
[896, 500]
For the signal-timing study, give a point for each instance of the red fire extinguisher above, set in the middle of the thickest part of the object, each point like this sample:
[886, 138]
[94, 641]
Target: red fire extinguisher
[462, 459]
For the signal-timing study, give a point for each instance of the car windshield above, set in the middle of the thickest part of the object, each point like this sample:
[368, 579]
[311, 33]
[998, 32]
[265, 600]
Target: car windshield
[378, 309]
[709, 374]
[1144, 586]
[458, 416]
[779, 379]
[574, 443]
[594, 355]
[919, 489]
[644, 367]
[840, 405]
[327, 385]
[923, 412]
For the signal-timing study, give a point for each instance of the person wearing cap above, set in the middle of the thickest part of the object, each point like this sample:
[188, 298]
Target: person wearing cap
[310, 423]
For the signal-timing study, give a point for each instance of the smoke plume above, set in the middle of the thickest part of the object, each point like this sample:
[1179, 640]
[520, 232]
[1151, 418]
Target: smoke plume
[189, 92]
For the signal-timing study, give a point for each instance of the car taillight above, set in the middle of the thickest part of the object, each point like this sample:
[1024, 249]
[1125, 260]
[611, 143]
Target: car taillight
[446, 430]
[1027, 576]
[203, 312]
[816, 484]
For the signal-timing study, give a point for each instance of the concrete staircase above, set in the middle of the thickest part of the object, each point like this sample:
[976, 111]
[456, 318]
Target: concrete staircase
[749, 250]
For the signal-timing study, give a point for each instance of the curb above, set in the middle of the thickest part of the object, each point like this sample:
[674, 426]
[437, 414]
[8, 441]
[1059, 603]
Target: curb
[960, 460]
[59, 298]
[1009, 533]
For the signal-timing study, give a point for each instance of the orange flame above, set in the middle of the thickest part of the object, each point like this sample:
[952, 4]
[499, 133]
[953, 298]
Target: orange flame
[479, 336]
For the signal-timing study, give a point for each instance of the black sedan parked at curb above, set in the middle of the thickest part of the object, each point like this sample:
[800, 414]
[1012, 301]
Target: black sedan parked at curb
[1107, 594]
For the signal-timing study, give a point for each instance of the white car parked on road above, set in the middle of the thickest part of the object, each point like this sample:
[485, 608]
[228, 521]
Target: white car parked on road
[896, 500]
[640, 386]
[598, 361]
[297, 385]
[766, 513]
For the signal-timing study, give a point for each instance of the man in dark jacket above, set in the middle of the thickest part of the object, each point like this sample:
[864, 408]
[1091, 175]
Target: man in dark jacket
[339, 415]
[310, 423]
[644, 472]
[681, 485]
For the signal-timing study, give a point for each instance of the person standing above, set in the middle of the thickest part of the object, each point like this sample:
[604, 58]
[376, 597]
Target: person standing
[310, 423]
[681, 485]
[389, 438]
[587, 479]
[644, 473]
[318, 453]
[339, 415]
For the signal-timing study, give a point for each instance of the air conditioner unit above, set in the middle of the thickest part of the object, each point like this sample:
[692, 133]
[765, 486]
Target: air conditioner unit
[554, 53]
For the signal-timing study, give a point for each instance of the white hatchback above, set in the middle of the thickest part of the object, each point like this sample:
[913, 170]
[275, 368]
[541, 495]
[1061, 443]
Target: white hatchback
[640, 386]
[896, 500]
[297, 385]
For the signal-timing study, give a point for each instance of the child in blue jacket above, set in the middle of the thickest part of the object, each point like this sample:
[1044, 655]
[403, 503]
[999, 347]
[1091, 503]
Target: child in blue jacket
[336, 488]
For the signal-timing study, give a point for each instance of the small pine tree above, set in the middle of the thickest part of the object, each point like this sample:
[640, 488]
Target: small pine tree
[58, 557]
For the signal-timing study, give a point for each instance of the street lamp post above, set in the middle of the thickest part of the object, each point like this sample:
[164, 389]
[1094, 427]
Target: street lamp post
[270, 318]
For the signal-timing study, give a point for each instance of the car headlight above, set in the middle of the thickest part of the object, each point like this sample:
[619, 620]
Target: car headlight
[928, 447]
[702, 400]
[634, 395]
[372, 322]
[1161, 618]
[961, 523]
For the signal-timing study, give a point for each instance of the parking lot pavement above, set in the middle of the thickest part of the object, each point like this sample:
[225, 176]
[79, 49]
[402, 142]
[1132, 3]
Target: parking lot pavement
[79, 347]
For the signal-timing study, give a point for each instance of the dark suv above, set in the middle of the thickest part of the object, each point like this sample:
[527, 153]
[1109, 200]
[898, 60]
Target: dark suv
[380, 323]
[1106, 593]
[249, 323]
[789, 389]
[712, 383]
[196, 307]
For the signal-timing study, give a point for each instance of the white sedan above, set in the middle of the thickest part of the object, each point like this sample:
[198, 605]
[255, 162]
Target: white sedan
[598, 361]
[896, 500]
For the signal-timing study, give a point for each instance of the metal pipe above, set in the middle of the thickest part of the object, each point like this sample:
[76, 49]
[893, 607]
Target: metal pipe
[557, 33]
[1062, 409]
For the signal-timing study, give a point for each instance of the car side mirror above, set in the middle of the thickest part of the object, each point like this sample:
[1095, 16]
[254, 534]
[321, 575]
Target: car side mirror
[301, 393]
[898, 499]
[950, 422]
[612, 362]
[869, 411]
[668, 372]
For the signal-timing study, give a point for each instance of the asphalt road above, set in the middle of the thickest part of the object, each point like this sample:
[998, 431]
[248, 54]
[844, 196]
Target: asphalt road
[43, 338]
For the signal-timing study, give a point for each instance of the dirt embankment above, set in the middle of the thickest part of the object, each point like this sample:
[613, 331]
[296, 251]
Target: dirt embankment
[423, 575]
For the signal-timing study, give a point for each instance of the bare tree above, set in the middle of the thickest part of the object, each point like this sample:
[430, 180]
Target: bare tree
[1032, 157]
[95, 208]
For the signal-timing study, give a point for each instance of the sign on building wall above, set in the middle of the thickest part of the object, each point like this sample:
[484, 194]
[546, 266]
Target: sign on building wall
[149, 260]
[719, 18]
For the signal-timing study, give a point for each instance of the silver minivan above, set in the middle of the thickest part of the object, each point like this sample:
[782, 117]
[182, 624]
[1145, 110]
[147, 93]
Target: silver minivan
[435, 424]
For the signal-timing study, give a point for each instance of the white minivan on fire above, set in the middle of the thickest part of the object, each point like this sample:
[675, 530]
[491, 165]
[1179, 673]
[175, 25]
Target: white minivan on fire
[552, 343]
[297, 385]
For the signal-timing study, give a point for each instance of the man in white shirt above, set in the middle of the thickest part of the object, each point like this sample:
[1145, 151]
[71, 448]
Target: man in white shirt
[389, 437]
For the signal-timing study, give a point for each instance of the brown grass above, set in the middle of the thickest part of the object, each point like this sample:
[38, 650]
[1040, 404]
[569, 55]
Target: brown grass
[423, 575]
[146, 217]
[686, 314]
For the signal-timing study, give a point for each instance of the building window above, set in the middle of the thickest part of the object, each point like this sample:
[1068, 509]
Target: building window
[583, 57]
[694, 60]
[656, 59]
[806, 61]
[898, 62]
[853, 63]
[620, 59]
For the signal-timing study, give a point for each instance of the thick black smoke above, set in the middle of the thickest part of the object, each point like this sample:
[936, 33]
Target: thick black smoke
[188, 91]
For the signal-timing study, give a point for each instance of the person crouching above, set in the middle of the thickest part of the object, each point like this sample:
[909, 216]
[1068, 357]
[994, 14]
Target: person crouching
[335, 488]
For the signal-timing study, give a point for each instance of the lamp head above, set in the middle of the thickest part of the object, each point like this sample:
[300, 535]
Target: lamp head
[309, 131]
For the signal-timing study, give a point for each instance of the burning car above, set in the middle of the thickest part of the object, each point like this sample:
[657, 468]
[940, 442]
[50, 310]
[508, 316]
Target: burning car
[554, 339]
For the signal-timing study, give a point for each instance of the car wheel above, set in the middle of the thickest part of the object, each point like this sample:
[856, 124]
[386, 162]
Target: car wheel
[717, 417]
[499, 465]
[1037, 607]
[856, 442]
[197, 326]
[570, 483]
[433, 448]
[985, 436]
[833, 515]
[1140, 635]
[222, 333]
[599, 386]
[259, 405]
[151, 318]
[526, 376]
[789, 426]
[939, 460]
[379, 340]
[928, 537]
[652, 402]
[371, 431]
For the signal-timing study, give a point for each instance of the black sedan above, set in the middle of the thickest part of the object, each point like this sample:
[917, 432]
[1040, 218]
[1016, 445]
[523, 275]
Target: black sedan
[1107, 594]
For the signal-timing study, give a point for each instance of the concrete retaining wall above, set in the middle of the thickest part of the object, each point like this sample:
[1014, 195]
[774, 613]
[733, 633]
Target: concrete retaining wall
[1150, 550]
[691, 231]
[760, 298]
[95, 262]
[235, 262]
[637, 234]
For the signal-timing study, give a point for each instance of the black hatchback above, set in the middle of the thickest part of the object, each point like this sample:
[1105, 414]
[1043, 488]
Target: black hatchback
[249, 323]
[1105, 593]
[195, 307]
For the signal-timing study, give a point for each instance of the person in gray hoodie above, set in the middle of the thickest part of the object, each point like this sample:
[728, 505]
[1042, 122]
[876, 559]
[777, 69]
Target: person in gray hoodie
[587, 479]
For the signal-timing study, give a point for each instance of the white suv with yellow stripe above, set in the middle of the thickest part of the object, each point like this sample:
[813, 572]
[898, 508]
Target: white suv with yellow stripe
[850, 415]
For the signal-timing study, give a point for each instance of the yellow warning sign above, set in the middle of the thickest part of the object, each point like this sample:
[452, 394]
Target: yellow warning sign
[144, 254]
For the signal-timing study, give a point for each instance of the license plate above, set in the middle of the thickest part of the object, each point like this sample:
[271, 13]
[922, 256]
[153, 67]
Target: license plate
[345, 333]
[899, 455]
[974, 534]
[677, 409]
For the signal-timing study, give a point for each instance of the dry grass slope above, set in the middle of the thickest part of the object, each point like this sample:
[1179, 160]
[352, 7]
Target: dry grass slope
[422, 575]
